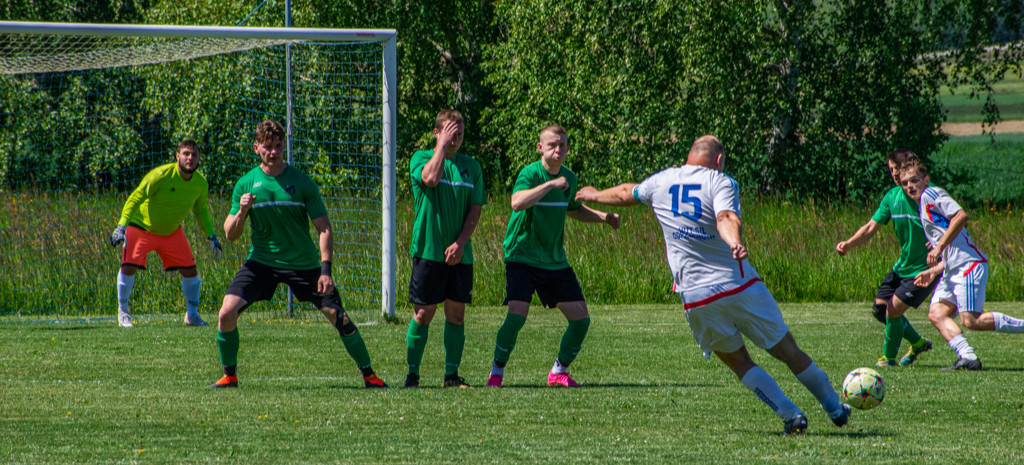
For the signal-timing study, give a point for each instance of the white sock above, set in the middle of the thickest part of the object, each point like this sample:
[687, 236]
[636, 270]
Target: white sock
[558, 367]
[497, 370]
[125, 284]
[816, 381]
[190, 286]
[962, 348]
[765, 388]
[1007, 324]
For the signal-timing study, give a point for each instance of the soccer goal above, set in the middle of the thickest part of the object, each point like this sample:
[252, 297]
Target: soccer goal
[86, 110]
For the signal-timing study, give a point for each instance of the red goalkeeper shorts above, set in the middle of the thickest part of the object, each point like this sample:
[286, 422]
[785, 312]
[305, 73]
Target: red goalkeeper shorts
[172, 248]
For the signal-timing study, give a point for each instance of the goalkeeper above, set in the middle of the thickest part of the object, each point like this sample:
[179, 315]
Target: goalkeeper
[151, 221]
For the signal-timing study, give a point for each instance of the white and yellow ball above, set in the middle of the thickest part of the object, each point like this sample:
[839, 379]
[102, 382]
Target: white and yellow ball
[863, 389]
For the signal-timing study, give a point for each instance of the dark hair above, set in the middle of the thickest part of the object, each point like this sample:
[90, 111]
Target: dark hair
[267, 130]
[187, 143]
[916, 166]
[902, 157]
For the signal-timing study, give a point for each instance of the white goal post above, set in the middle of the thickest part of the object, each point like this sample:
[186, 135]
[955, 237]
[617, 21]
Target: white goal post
[26, 48]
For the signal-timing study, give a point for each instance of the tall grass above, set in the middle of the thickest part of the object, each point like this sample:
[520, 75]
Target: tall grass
[791, 244]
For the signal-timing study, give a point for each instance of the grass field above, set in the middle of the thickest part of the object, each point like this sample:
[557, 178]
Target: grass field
[97, 393]
[1009, 95]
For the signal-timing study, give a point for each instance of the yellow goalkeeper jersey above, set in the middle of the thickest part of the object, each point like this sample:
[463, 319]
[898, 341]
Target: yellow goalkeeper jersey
[163, 199]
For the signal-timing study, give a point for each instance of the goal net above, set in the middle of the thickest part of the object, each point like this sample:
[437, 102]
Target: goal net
[87, 110]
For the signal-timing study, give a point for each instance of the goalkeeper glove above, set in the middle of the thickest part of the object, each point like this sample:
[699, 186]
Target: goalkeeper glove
[118, 236]
[215, 246]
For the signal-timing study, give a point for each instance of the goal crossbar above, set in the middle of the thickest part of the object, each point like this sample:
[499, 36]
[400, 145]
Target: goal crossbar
[238, 39]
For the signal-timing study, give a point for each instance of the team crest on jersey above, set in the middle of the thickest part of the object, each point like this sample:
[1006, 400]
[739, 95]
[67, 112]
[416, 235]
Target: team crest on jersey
[936, 217]
[464, 173]
[290, 190]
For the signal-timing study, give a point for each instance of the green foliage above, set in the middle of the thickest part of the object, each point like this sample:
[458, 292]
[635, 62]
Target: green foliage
[981, 172]
[93, 392]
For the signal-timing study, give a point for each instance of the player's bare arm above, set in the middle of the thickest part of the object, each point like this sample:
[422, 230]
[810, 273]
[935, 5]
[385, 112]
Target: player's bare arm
[234, 225]
[729, 227]
[956, 224]
[433, 171]
[323, 228]
[859, 238]
[453, 254]
[586, 214]
[521, 200]
[619, 196]
[925, 278]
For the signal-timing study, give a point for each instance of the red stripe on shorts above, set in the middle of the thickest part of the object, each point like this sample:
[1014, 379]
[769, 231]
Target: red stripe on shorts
[733, 291]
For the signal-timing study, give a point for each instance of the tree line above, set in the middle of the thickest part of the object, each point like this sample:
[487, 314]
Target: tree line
[808, 96]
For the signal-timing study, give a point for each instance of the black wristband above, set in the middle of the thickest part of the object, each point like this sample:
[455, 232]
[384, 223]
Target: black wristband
[325, 268]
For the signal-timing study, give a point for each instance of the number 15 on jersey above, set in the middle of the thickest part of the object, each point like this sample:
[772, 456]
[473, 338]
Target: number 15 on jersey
[682, 201]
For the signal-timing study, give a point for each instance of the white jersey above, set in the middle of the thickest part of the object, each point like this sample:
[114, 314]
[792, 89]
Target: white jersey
[687, 201]
[961, 256]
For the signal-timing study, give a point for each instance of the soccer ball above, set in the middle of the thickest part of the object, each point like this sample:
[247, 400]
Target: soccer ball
[863, 389]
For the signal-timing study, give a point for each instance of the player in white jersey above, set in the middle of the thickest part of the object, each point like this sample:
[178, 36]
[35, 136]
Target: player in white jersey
[699, 210]
[963, 267]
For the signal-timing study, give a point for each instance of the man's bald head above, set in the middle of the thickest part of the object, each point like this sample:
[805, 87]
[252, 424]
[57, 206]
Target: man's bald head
[706, 151]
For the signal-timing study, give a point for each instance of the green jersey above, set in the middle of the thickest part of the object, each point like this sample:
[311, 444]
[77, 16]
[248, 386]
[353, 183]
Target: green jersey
[163, 199]
[536, 235]
[906, 221]
[279, 217]
[441, 210]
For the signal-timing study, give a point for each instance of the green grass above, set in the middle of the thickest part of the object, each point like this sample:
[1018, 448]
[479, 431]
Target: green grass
[791, 244]
[97, 393]
[1009, 95]
[977, 169]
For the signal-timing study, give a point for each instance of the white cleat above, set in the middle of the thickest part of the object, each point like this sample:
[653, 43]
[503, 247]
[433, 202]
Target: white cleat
[194, 320]
[124, 320]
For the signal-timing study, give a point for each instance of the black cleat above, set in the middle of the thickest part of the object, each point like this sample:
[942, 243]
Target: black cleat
[964, 364]
[455, 381]
[795, 426]
[412, 381]
[844, 418]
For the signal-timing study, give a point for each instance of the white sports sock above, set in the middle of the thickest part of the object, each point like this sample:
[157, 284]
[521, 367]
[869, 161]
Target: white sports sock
[558, 367]
[765, 388]
[816, 381]
[190, 286]
[125, 284]
[962, 348]
[497, 370]
[1007, 324]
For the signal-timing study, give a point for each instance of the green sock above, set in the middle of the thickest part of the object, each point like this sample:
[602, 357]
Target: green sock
[454, 342]
[415, 342]
[893, 336]
[910, 334]
[357, 350]
[572, 340]
[227, 345]
[507, 335]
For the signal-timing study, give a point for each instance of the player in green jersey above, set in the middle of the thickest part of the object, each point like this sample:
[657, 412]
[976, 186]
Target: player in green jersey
[898, 291]
[543, 196]
[448, 195]
[280, 202]
[151, 221]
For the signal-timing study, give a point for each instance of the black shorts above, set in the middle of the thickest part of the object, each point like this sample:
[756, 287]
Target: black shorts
[434, 282]
[904, 289]
[255, 282]
[552, 286]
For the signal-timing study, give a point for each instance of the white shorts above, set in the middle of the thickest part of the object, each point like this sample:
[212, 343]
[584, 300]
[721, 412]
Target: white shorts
[720, 324]
[966, 292]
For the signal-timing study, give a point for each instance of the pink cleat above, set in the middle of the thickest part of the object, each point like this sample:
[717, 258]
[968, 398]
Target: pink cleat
[494, 381]
[561, 379]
